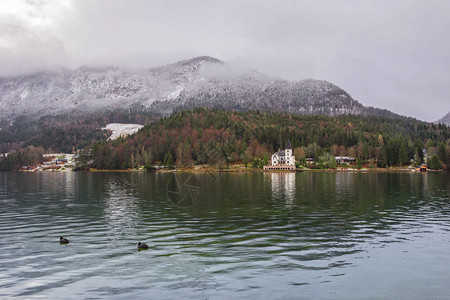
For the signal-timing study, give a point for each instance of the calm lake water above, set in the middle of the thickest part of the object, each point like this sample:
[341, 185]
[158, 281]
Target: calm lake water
[225, 236]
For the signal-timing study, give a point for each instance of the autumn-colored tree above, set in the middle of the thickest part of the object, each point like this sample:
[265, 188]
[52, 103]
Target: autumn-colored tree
[203, 136]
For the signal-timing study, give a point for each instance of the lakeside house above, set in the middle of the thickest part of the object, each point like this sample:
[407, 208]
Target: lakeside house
[53, 162]
[282, 159]
[422, 169]
[345, 159]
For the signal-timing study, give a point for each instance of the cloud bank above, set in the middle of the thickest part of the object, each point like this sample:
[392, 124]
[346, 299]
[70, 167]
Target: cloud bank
[388, 54]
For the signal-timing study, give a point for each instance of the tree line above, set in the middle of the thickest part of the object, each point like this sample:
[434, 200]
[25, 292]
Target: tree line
[219, 137]
[64, 133]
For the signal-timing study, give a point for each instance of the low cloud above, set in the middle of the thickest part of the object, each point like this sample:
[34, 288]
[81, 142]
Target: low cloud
[386, 54]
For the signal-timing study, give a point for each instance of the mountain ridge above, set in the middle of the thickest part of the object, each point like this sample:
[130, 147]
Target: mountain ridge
[200, 81]
[445, 119]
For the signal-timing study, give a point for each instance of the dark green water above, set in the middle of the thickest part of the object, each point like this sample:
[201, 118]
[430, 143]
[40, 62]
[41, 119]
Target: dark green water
[225, 236]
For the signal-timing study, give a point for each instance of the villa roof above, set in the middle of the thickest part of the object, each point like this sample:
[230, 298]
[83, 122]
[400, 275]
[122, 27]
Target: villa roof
[283, 152]
[280, 153]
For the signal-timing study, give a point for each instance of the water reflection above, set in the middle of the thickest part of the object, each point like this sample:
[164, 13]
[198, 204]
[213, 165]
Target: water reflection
[345, 182]
[283, 186]
[121, 206]
[184, 192]
[237, 241]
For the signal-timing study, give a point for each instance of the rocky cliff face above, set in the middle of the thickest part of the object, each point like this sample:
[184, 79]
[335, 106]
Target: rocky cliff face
[201, 81]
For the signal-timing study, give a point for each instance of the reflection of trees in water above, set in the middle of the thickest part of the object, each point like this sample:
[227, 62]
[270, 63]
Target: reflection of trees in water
[213, 191]
[62, 184]
[55, 193]
[353, 193]
[347, 200]
[339, 204]
[329, 215]
[358, 193]
[184, 192]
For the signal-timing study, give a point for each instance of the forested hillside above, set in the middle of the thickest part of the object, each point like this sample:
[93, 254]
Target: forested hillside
[64, 133]
[216, 137]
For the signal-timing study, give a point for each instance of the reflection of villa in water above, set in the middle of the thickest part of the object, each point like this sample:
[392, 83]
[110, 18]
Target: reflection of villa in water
[283, 186]
[282, 160]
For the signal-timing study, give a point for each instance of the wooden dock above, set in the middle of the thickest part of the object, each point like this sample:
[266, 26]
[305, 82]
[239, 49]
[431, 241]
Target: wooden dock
[279, 168]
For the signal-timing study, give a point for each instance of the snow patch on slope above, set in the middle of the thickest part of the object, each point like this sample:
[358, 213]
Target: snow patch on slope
[119, 129]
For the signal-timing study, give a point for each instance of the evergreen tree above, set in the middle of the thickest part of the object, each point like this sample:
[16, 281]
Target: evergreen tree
[202, 136]
[417, 159]
[435, 164]
[442, 152]
[402, 154]
[382, 158]
[266, 159]
[168, 160]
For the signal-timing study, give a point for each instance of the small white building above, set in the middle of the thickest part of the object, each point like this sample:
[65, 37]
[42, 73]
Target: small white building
[283, 159]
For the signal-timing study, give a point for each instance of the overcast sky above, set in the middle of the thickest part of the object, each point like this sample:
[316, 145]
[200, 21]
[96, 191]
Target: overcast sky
[387, 54]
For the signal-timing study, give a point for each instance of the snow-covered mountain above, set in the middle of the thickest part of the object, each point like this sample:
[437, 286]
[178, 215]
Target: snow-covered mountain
[201, 81]
[445, 119]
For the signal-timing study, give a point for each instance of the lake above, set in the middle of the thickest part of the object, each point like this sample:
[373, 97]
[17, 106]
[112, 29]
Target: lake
[225, 236]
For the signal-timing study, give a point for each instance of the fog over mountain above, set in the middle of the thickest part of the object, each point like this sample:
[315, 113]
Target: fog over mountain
[197, 82]
[386, 54]
[445, 119]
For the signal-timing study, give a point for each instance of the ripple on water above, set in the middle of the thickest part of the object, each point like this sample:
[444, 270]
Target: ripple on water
[260, 249]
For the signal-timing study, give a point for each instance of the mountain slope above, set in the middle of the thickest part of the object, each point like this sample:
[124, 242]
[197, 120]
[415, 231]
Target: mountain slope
[445, 119]
[93, 89]
[201, 81]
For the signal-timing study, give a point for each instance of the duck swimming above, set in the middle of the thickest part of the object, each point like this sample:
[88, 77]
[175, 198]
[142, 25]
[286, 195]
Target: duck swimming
[63, 240]
[142, 246]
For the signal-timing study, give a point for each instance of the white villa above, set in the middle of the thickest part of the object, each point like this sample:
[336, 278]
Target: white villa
[283, 159]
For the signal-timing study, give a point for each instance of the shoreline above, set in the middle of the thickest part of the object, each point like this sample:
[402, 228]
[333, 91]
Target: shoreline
[241, 169]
